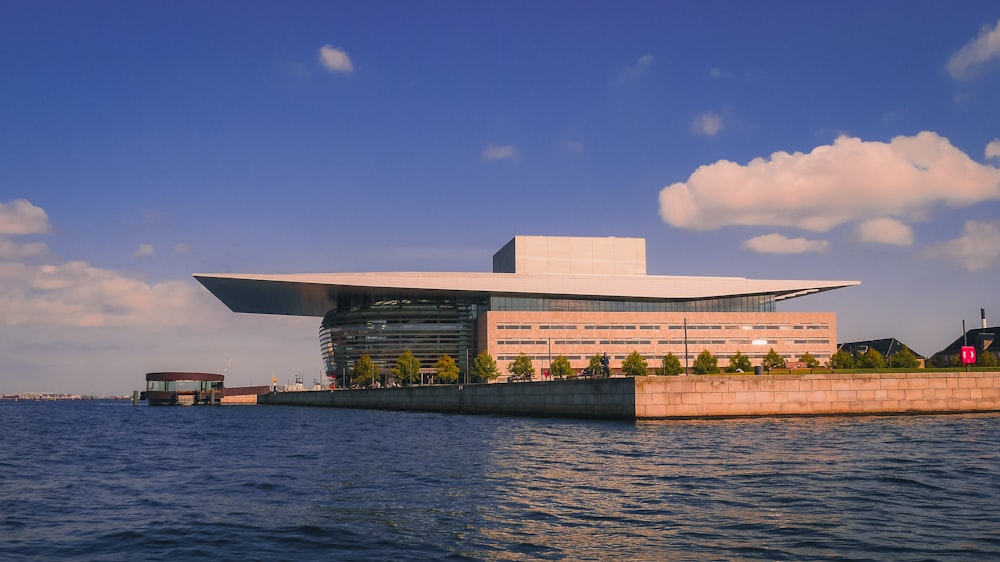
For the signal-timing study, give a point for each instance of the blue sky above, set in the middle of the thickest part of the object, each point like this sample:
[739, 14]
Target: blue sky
[143, 142]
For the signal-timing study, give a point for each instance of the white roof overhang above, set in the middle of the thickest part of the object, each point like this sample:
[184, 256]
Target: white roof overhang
[313, 294]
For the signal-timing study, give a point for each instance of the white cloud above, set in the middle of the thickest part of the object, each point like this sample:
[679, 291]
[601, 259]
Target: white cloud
[294, 68]
[144, 251]
[993, 149]
[76, 294]
[707, 124]
[634, 71]
[716, 72]
[780, 244]
[979, 249]
[11, 251]
[968, 60]
[20, 217]
[494, 152]
[850, 180]
[182, 249]
[885, 231]
[334, 59]
[574, 146]
[60, 321]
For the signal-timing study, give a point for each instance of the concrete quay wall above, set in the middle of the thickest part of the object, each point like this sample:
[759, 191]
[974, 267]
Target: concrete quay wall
[684, 396]
[820, 394]
[604, 398]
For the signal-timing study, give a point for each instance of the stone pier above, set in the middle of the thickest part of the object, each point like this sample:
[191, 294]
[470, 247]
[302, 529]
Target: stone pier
[684, 396]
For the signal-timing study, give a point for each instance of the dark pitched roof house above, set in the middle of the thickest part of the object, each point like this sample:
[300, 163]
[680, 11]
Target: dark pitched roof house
[886, 346]
[983, 339]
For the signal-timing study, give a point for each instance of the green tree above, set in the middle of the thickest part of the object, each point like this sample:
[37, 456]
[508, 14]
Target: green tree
[365, 371]
[739, 363]
[810, 361]
[705, 363]
[942, 360]
[484, 368]
[446, 370]
[670, 365]
[773, 360]
[635, 365]
[842, 360]
[407, 369]
[986, 359]
[522, 367]
[871, 359]
[560, 368]
[904, 359]
[595, 365]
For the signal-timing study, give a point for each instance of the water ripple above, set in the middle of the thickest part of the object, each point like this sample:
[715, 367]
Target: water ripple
[108, 481]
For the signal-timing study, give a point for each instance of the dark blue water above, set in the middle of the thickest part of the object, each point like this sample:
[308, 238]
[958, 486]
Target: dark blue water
[109, 481]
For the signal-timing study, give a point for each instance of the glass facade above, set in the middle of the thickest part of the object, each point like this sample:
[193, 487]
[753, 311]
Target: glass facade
[386, 325]
[183, 386]
[749, 303]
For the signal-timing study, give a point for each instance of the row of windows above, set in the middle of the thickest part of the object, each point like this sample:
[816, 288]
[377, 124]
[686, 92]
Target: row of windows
[664, 342]
[540, 358]
[670, 327]
[651, 364]
[752, 303]
[754, 327]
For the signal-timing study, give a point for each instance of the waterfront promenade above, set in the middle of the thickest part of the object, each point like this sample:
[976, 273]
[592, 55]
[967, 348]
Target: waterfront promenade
[703, 396]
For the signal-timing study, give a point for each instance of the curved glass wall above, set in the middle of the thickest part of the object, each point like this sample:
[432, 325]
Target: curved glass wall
[384, 326]
[183, 386]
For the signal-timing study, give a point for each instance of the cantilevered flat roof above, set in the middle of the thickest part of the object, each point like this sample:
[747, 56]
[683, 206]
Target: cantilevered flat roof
[314, 294]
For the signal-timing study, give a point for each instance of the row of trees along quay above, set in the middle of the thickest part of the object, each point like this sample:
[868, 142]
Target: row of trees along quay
[407, 370]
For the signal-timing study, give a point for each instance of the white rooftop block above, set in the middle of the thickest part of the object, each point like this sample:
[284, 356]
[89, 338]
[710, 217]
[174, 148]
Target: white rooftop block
[572, 255]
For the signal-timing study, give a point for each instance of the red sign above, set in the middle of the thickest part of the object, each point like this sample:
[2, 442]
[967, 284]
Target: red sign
[968, 355]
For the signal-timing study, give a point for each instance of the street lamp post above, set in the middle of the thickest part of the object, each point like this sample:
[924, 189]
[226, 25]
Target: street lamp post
[685, 346]
[550, 360]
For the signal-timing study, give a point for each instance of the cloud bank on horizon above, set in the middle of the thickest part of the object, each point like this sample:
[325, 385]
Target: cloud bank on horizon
[41, 289]
[69, 326]
[880, 188]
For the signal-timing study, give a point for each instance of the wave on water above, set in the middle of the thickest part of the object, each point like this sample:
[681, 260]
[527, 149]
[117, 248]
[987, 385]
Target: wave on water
[85, 481]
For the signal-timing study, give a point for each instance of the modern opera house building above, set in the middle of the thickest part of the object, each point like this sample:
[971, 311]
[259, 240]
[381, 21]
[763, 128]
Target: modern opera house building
[547, 296]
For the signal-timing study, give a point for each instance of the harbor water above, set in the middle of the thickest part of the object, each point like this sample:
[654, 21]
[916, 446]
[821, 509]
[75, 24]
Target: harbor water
[105, 480]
